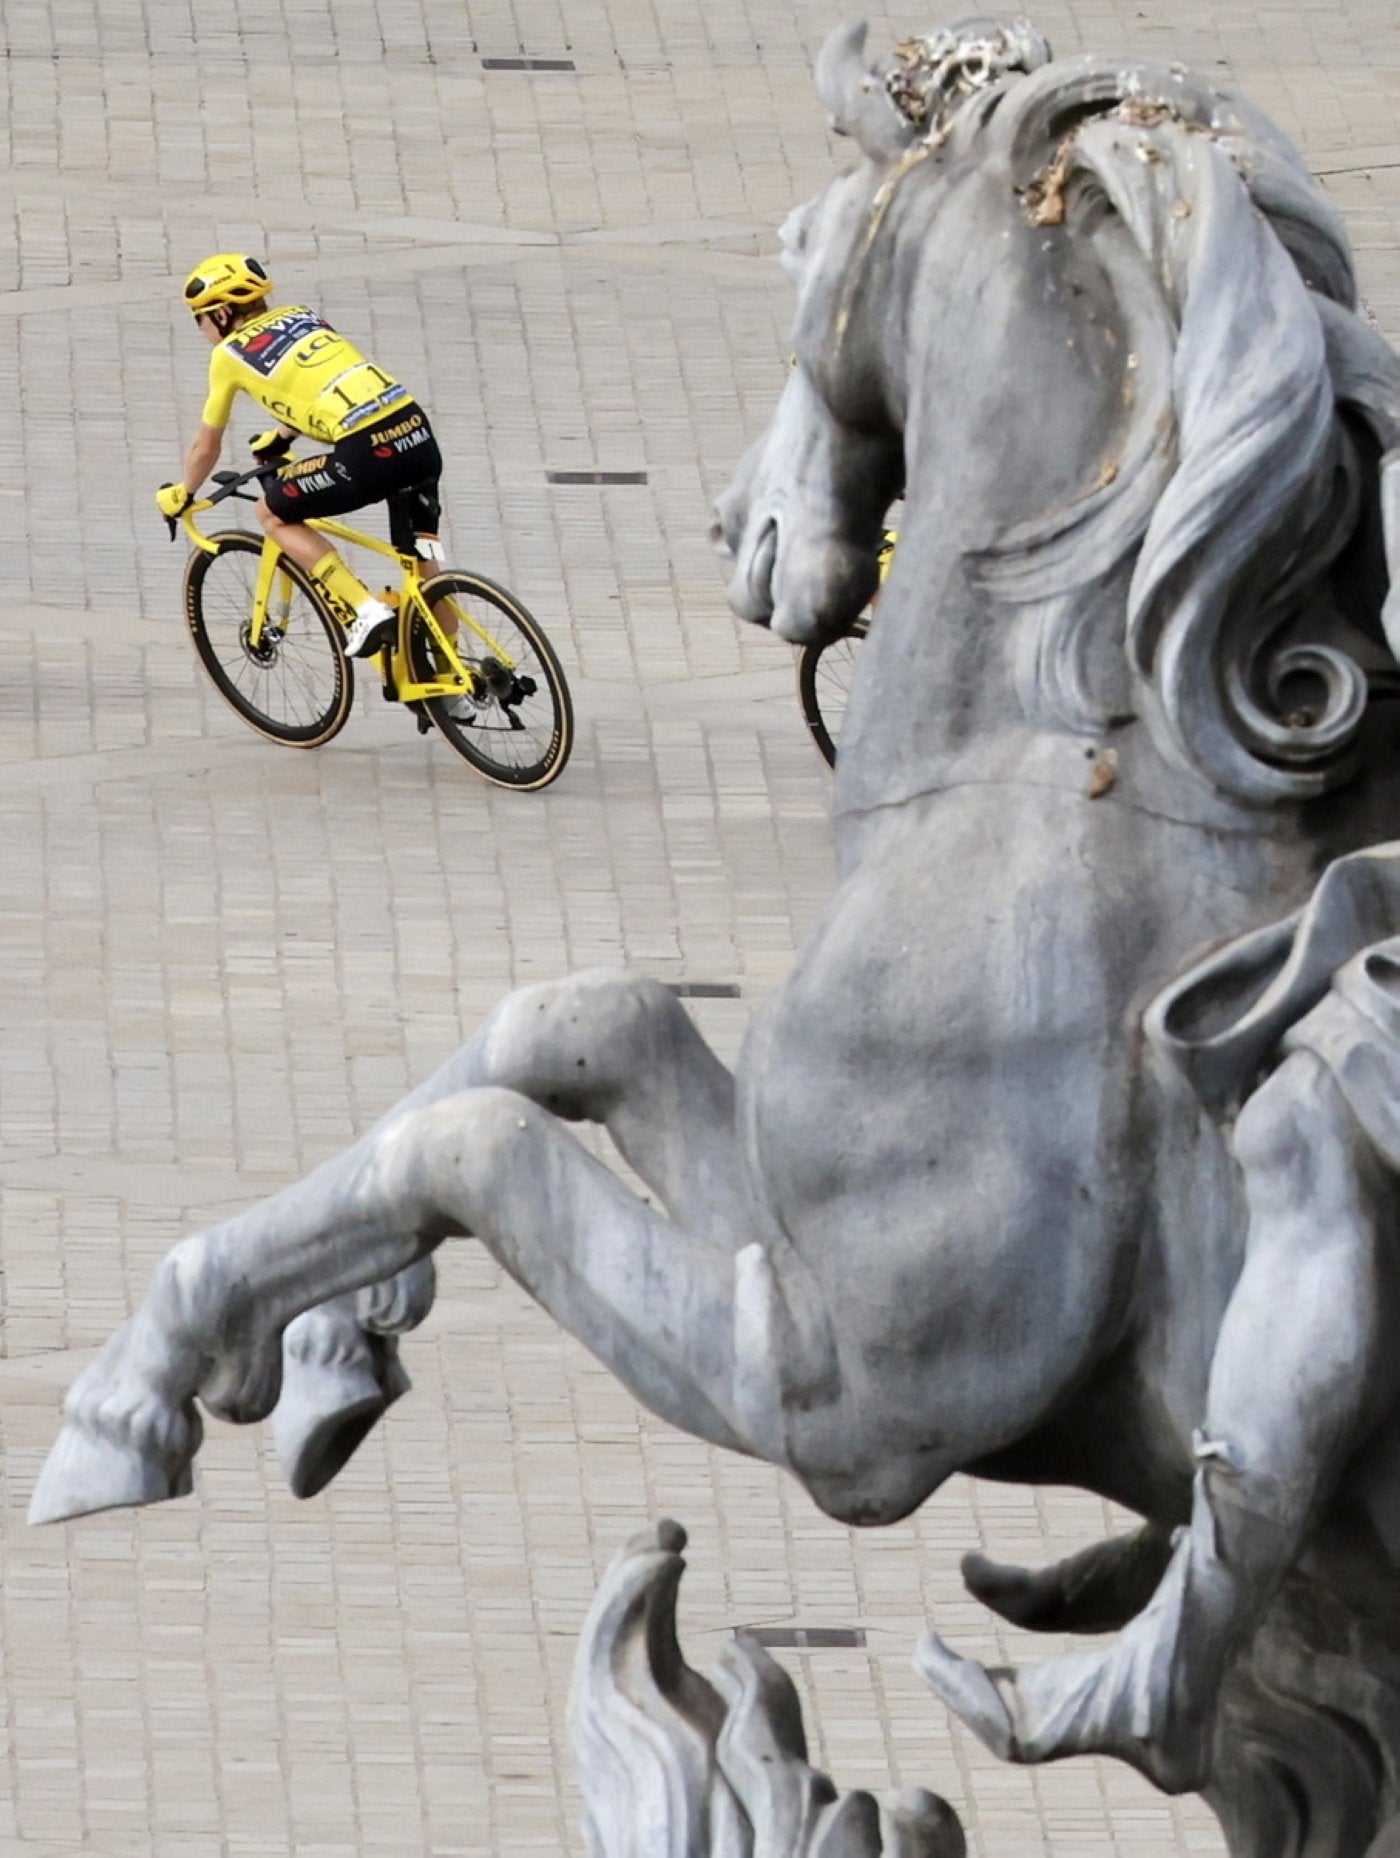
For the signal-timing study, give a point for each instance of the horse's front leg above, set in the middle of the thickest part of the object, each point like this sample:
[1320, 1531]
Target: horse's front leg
[1300, 1372]
[601, 1046]
[618, 1049]
[341, 1373]
[131, 1425]
[687, 1324]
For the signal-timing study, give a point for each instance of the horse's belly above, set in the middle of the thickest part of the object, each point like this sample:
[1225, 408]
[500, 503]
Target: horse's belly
[961, 1002]
[947, 1106]
[976, 985]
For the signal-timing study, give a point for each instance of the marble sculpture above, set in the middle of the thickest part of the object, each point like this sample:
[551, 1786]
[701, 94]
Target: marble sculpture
[1068, 1151]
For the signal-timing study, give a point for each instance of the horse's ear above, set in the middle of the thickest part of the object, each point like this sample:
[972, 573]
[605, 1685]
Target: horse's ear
[855, 96]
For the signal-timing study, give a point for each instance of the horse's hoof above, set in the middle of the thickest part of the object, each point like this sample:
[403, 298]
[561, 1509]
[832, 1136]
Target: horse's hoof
[85, 1473]
[970, 1692]
[1101, 1588]
[1015, 1593]
[328, 1409]
[1099, 1703]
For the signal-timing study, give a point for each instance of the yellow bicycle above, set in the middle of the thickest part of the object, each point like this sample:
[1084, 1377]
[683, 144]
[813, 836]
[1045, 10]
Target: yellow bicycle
[467, 657]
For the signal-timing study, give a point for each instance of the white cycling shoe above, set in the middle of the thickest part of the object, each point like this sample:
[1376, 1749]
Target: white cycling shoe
[373, 629]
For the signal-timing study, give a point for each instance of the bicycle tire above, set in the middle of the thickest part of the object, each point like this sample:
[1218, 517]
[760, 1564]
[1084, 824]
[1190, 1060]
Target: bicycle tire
[532, 701]
[277, 690]
[824, 674]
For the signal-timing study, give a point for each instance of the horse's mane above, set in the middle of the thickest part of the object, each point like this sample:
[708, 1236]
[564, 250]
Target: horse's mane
[1237, 482]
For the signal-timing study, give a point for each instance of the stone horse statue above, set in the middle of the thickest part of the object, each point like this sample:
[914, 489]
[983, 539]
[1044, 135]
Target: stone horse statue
[1068, 1151]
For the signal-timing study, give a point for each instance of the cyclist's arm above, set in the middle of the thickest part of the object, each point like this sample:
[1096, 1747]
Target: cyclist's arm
[202, 456]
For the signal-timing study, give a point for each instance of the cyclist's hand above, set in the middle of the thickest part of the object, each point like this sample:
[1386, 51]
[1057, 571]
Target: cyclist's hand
[173, 500]
[271, 445]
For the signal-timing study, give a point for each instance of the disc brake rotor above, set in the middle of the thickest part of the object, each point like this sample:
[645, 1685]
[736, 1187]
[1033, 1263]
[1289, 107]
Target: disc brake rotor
[265, 651]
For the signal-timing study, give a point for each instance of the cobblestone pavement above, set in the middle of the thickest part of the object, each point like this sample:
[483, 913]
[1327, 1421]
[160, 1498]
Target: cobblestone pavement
[218, 960]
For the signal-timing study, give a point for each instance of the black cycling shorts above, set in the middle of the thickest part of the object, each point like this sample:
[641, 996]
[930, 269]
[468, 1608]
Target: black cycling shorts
[395, 461]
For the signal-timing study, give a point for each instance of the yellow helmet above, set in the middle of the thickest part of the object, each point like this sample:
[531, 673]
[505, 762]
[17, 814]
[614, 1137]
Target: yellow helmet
[227, 277]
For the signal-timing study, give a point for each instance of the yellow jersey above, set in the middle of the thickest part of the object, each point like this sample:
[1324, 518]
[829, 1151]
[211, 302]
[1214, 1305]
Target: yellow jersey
[307, 376]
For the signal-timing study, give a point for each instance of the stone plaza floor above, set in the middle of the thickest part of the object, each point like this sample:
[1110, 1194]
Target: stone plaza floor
[219, 960]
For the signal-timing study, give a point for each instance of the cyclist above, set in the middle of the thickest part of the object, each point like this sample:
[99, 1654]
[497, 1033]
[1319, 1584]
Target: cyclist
[313, 383]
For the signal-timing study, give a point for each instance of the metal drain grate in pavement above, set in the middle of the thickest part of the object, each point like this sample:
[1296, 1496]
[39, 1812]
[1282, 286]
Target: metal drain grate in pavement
[528, 64]
[808, 1638]
[704, 990]
[595, 477]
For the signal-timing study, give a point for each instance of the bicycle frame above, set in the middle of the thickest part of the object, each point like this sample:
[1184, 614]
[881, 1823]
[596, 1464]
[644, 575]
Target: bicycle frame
[396, 667]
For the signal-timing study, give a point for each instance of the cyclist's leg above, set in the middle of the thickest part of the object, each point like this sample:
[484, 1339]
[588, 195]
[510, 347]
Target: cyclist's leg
[415, 516]
[395, 458]
[328, 484]
[296, 541]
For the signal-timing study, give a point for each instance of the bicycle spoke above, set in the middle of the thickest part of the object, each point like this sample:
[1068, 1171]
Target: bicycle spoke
[517, 727]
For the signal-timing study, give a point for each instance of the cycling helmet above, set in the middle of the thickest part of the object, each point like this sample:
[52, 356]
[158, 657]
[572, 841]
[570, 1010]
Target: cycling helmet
[227, 277]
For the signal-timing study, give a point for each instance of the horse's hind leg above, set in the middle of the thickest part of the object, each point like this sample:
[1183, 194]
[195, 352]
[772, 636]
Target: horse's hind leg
[1298, 1375]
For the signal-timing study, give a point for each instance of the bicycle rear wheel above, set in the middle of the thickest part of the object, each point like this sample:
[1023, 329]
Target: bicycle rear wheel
[296, 685]
[519, 731]
[825, 674]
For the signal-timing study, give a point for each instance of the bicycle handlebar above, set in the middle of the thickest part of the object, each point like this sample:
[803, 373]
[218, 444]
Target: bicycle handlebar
[231, 482]
[230, 485]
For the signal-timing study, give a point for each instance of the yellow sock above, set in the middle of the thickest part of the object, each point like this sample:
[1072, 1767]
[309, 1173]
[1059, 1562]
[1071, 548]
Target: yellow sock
[339, 582]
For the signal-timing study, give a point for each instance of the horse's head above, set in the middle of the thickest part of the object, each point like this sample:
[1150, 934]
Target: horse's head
[1105, 340]
[803, 517]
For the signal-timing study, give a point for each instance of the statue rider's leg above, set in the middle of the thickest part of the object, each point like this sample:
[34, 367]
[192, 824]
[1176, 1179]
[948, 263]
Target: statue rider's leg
[600, 1046]
[1297, 1376]
[681, 1319]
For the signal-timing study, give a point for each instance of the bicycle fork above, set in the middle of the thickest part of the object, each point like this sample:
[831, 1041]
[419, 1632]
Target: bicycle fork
[263, 598]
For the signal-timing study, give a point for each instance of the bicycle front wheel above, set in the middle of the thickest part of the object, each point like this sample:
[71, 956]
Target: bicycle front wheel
[519, 727]
[295, 685]
[825, 674]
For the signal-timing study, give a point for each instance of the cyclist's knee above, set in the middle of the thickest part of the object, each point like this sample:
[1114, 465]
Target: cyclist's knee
[269, 521]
